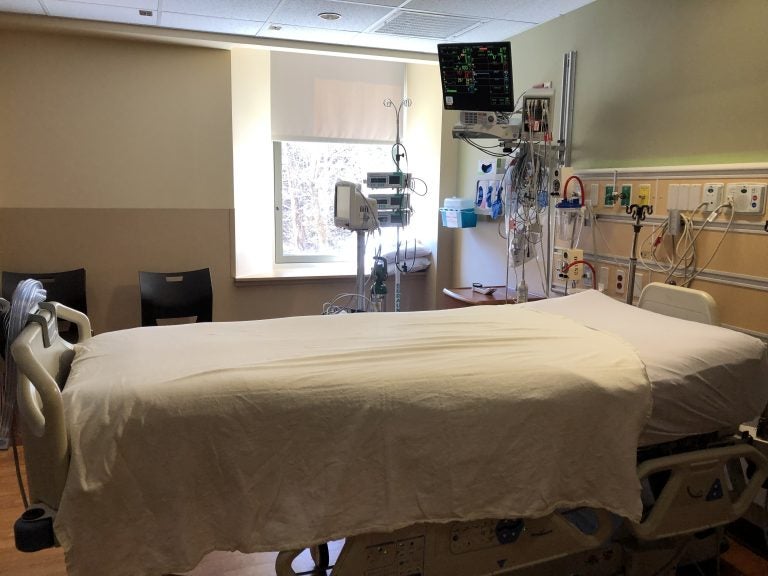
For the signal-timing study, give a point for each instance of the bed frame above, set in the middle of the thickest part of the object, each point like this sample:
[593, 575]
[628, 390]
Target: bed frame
[686, 493]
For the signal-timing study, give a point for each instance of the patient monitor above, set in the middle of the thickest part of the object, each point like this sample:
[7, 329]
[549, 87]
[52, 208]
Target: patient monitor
[351, 209]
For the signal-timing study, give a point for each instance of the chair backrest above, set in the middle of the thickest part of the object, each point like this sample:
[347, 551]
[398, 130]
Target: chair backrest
[176, 295]
[67, 288]
[679, 302]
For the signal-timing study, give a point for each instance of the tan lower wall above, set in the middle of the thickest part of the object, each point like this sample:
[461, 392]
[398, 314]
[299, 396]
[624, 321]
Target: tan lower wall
[114, 244]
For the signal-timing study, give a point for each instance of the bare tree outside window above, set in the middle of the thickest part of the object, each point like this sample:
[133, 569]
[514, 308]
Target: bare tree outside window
[305, 195]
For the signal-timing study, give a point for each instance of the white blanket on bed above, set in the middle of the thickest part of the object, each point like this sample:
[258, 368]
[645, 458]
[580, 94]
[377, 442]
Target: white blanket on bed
[276, 434]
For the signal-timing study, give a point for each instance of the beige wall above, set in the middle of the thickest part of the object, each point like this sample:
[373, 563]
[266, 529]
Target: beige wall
[657, 83]
[99, 123]
[426, 148]
[117, 156]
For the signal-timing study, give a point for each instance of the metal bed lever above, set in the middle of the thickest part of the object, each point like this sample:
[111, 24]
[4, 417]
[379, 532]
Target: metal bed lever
[50, 328]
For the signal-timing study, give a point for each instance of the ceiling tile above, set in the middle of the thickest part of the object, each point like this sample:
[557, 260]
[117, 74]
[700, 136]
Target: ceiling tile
[536, 11]
[388, 42]
[209, 24]
[493, 31]
[354, 17]
[142, 4]
[101, 12]
[390, 3]
[307, 34]
[23, 6]
[351, 38]
[237, 9]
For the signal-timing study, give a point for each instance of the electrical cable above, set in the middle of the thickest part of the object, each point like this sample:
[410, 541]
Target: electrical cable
[17, 464]
[692, 245]
[484, 149]
[332, 308]
[714, 252]
[412, 189]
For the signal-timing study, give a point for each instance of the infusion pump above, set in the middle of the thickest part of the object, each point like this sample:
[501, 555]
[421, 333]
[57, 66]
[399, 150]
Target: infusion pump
[355, 211]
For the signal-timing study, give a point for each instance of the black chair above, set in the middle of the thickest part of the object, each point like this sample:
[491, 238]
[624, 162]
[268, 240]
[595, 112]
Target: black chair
[166, 295]
[67, 288]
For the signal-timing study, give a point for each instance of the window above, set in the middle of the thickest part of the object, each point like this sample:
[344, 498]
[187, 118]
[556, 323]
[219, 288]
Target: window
[305, 176]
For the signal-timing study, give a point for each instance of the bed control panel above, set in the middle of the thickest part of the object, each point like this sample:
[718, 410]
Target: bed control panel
[399, 558]
[469, 536]
[472, 548]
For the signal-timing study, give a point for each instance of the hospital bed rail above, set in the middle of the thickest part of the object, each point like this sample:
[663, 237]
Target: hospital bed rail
[44, 359]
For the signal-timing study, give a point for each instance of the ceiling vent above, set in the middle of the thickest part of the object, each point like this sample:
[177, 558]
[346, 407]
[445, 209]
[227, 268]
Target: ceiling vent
[426, 25]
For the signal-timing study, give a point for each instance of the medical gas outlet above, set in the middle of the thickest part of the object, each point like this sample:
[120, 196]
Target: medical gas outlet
[746, 198]
[563, 258]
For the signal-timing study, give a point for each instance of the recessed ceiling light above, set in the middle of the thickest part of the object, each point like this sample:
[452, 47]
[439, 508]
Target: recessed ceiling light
[329, 15]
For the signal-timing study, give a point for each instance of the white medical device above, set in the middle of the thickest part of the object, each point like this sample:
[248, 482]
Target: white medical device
[487, 125]
[351, 209]
[388, 180]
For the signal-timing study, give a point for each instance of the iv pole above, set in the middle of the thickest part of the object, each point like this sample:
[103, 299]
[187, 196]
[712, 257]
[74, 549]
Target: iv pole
[638, 212]
[389, 104]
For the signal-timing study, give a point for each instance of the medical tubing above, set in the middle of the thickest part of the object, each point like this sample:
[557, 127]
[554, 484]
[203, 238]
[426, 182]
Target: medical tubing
[27, 295]
[714, 252]
[594, 274]
[581, 189]
[692, 244]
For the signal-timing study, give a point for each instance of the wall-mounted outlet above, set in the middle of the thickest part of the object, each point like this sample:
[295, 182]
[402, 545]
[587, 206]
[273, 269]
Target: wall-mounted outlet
[746, 198]
[620, 281]
[713, 196]
[594, 193]
[562, 258]
[608, 198]
[644, 194]
[626, 194]
[576, 270]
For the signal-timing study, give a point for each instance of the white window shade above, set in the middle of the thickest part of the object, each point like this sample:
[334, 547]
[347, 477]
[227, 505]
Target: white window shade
[333, 98]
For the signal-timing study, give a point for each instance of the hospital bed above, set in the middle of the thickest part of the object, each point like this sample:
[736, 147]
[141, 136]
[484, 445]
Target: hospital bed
[576, 432]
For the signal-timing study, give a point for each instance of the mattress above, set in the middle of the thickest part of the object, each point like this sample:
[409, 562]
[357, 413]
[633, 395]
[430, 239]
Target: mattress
[704, 378]
[277, 434]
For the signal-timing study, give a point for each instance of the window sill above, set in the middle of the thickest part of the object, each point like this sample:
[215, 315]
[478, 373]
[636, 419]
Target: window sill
[308, 273]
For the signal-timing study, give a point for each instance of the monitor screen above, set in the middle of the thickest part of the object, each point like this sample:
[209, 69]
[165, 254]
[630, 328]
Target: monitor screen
[477, 76]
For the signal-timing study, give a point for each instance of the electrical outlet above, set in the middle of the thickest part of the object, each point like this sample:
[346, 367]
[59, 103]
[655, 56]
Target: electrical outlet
[620, 281]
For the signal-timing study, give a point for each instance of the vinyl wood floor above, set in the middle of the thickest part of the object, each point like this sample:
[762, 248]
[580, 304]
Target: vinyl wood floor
[737, 561]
